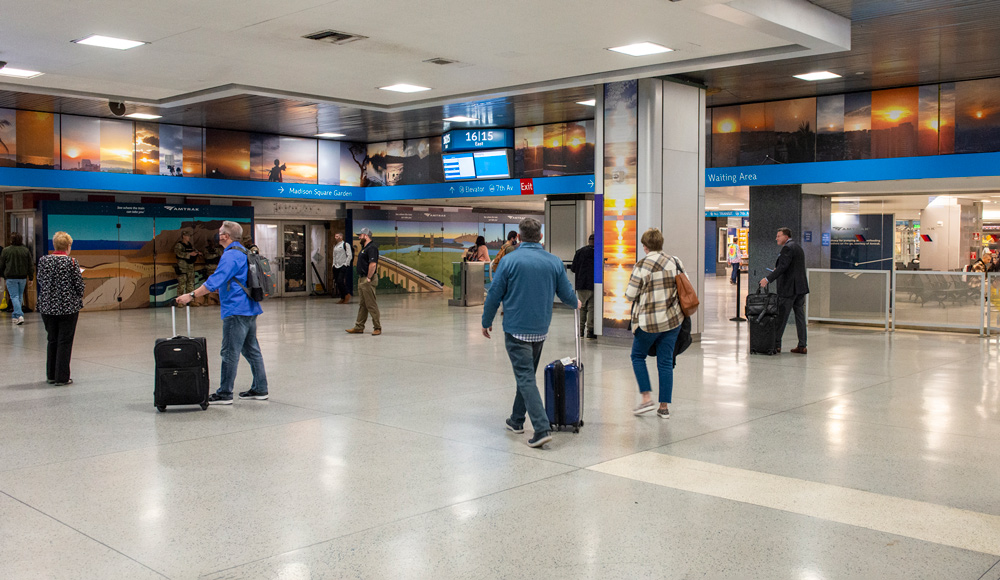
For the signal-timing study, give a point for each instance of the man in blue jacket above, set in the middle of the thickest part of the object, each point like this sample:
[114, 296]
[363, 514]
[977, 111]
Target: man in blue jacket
[239, 318]
[526, 282]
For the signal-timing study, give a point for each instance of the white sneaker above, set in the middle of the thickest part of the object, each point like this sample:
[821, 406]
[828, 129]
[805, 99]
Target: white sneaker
[20, 320]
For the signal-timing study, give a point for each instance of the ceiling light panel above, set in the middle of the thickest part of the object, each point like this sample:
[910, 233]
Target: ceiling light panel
[461, 119]
[405, 88]
[19, 73]
[641, 49]
[818, 76]
[590, 103]
[109, 42]
[143, 116]
[330, 135]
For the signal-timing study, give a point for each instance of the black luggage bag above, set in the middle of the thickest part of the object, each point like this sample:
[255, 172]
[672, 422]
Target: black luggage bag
[181, 368]
[762, 309]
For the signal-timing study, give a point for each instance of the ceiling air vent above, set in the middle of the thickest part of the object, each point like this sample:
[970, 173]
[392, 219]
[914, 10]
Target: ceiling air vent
[334, 37]
[441, 61]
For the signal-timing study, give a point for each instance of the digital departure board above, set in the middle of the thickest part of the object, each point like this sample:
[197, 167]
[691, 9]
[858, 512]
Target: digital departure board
[474, 139]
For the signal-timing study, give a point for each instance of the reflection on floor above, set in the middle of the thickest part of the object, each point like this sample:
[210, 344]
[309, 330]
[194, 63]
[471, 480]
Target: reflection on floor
[874, 456]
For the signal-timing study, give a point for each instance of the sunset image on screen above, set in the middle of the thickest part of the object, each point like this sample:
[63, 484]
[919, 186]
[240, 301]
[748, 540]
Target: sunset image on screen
[117, 147]
[928, 121]
[147, 149]
[894, 122]
[81, 143]
[227, 154]
[977, 116]
[35, 139]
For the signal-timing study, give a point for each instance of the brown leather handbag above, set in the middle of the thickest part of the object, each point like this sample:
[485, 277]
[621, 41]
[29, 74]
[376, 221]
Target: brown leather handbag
[685, 292]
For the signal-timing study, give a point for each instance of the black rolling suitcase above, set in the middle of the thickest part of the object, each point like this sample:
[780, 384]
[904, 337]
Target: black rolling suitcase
[181, 368]
[564, 389]
[762, 315]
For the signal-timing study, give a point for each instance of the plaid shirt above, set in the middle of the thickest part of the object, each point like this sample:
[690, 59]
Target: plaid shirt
[653, 289]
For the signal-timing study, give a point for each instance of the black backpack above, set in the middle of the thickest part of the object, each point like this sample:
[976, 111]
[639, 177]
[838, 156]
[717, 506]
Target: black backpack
[260, 284]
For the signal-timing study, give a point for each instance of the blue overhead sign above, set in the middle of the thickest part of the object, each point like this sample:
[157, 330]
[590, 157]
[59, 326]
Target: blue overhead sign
[730, 213]
[931, 166]
[128, 183]
[472, 139]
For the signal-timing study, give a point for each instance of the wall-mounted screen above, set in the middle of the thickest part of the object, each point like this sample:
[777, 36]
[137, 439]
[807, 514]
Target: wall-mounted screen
[493, 164]
[475, 139]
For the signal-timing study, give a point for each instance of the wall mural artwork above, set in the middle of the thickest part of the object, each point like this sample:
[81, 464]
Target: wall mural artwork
[126, 250]
[621, 136]
[8, 138]
[227, 154]
[37, 140]
[283, 159]
[418, 249]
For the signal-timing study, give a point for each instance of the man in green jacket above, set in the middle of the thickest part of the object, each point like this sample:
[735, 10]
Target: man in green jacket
[16, 269]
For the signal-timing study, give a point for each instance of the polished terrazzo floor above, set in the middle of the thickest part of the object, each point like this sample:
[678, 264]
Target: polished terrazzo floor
[874, 456]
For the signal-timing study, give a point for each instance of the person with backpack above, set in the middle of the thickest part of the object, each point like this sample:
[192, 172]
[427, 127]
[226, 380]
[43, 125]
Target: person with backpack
[235, 284]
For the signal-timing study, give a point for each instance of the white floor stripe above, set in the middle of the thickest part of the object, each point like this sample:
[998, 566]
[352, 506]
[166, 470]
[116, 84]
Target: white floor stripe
[914, 519]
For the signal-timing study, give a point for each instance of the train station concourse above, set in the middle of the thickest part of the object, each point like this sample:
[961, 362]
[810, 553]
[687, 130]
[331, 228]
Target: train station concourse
[397, 162]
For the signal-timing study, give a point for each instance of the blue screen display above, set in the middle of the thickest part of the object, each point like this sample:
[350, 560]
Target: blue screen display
[492, 164]
[473, 139]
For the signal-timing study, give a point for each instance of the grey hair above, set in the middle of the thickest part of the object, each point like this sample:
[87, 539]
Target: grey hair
[531, 230]
[233, 230]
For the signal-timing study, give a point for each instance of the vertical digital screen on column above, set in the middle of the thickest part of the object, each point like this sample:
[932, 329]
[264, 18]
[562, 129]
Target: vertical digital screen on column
[459, 166]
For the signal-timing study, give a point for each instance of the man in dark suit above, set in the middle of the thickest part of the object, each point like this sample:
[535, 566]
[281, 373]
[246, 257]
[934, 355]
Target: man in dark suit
[790, 272]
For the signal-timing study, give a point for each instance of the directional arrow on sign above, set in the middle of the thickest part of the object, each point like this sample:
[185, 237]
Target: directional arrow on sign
[451, 189]
[281, 190]
[590, 183]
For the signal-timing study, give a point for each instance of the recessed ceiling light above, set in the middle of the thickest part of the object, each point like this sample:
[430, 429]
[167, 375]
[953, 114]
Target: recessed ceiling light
[109, 42]
[641, 49]
[731, 204]
[405, 88]
[19, 73]
[461, 119]
[590, 103]
[143, 116]
[818, 76]
[330, 135]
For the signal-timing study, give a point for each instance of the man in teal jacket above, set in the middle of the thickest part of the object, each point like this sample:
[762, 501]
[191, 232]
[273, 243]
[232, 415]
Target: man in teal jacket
[526, 281]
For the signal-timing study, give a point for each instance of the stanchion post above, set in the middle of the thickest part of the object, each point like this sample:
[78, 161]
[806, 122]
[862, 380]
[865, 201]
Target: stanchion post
[739, 277]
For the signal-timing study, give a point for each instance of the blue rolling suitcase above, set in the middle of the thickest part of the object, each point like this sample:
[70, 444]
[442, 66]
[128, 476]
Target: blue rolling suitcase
[564, 389]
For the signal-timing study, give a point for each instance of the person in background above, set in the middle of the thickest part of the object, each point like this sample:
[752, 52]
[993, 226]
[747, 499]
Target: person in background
[984, 264]
[479, 252]
[367, 264]
[15, 268]
[793, 285]
[343, 256]
[583, 267]
[734, 261]
[212, 254]
[656, 320]
[509, 246]
[239, 318]
[186, 257]
[60, 299]
[526, 283]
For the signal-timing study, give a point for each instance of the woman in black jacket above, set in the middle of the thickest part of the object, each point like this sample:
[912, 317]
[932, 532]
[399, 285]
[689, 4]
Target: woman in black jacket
[60, 298]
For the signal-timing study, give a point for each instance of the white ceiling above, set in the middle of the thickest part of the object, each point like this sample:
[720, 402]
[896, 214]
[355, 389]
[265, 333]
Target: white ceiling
[204, 50]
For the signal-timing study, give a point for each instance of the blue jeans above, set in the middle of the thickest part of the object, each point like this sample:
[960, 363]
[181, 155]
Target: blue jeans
[15, 289]
[664, 342]
[239, 335]
[524, 358]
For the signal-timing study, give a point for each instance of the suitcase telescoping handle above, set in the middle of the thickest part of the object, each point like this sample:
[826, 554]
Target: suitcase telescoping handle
[576, 333]
[173, 318]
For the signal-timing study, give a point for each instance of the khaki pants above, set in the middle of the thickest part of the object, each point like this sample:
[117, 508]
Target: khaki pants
[586, 310]
[368, 305]
[185, 282]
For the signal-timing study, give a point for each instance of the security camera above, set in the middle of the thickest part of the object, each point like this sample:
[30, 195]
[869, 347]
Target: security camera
[3, 63]
[117, 108]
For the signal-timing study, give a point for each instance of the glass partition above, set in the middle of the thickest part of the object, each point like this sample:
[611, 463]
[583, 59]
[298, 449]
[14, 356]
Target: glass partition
[939, 299]
[856, 296]
[993, 303]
